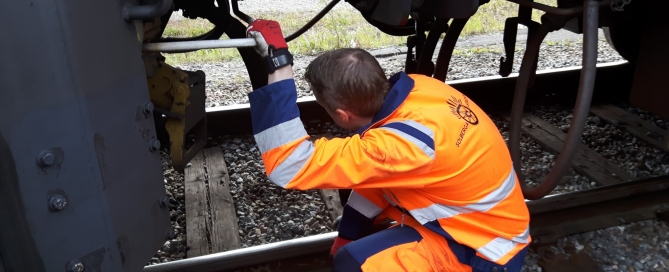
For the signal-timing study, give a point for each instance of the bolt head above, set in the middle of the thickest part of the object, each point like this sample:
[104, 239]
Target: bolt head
[57, 202]
[75, 266]
[46, 158]
[164, 201]
[155, 145]
[147, 107]
[170, 234]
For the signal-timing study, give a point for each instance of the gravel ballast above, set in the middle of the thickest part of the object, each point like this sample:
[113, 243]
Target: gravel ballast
[618, 146]
[268, 213]
[634, 247]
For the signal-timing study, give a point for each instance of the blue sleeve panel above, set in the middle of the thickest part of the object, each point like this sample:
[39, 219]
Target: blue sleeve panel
[353, 224]
[273, 104]
[413, 132]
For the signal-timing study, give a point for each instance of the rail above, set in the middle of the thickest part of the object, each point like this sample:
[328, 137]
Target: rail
[250, 255]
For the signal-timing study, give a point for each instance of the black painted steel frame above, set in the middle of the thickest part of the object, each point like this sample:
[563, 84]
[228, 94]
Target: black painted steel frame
[81, 184]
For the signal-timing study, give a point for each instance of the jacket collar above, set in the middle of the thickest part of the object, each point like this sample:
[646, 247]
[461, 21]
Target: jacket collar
[402, 85]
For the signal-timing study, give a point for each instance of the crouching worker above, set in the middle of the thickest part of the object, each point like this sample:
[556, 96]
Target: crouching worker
[423, 155]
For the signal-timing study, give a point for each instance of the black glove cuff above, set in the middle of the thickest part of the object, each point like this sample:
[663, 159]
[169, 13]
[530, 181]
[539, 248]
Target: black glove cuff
[277, 59]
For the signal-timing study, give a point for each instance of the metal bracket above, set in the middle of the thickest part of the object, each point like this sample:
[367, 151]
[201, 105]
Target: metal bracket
[619, 5]
[447, 48]
[425, 64]
[414, 41]
[510, 32]
[148, 12]
[180, 96]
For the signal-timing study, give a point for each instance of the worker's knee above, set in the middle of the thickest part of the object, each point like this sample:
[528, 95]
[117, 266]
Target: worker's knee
[514, 265]
[352, 256]
[344, 261]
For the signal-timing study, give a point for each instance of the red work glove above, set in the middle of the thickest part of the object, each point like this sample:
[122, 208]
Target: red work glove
[268, 35]
[338, 242]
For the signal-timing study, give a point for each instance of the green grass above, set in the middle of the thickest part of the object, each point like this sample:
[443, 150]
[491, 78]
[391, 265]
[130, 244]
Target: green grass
[343, 27]
[563, 42]
[469, 51]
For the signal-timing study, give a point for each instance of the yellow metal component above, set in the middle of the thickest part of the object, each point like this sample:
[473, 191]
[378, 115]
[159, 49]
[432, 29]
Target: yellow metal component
[168, 92]
[179, 95]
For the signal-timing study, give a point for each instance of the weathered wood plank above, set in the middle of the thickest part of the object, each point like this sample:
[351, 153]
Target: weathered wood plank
[580, 261]
[586, 161]
[224, 226]
[330, 197]
[638, 127]
[197, 220]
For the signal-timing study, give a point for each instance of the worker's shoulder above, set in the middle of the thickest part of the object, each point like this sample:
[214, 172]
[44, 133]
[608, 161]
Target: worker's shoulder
[423, 78]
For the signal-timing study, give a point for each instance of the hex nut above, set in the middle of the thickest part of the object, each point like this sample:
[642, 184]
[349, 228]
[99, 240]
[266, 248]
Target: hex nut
[155, 145]
[57, 202]
[46, 158]
[75, 266]
[147, 108]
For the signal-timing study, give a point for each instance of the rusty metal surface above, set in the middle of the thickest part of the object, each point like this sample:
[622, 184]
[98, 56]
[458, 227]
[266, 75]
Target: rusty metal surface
[558, 216]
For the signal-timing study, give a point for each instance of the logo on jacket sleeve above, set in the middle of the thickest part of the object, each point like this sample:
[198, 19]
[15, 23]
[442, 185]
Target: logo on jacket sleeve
[462, 111]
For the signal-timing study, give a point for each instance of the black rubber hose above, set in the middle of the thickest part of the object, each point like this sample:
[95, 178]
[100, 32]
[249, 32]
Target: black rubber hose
[581, 109]
[406, 30]
[313, 21]
[425, 58]
[447, 47]
[526, 66]
[241, 15]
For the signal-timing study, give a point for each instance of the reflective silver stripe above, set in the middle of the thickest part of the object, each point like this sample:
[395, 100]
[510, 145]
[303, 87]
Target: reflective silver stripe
[428, 150]
[498, 247]
[280, 134]
[285, 171]
[437, 211]
[363, 205]
[422, 128]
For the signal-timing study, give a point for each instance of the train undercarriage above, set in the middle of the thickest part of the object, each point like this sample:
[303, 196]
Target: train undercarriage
[86, 114]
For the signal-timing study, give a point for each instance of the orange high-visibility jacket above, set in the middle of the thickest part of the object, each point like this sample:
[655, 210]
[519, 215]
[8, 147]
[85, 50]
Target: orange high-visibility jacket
[430, 151]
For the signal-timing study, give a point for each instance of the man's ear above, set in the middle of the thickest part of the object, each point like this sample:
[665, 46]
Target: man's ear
[344, 115]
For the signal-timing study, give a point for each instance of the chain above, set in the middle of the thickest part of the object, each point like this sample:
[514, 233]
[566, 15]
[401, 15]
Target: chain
[619, 5]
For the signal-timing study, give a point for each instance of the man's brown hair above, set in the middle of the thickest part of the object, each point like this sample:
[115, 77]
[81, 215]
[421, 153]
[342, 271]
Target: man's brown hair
[349, 79]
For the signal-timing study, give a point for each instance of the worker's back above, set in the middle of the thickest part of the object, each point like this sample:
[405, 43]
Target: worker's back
[471, 190]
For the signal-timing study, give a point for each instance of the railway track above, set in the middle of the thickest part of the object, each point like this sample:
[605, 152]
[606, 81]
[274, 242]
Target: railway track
[211, 219]
[553, 217]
